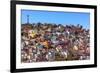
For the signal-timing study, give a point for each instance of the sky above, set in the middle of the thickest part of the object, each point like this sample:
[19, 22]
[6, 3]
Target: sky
[64, 18]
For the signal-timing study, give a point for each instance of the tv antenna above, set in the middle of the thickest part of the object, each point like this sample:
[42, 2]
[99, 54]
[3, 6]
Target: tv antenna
[27, 19]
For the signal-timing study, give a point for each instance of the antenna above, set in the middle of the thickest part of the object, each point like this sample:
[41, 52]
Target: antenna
[27, 19]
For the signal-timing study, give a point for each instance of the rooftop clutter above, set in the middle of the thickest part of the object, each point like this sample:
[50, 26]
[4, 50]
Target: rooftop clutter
[54, 42]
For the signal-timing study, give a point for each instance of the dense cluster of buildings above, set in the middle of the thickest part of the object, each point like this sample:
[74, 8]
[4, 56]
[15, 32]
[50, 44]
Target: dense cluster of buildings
[43, 42]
